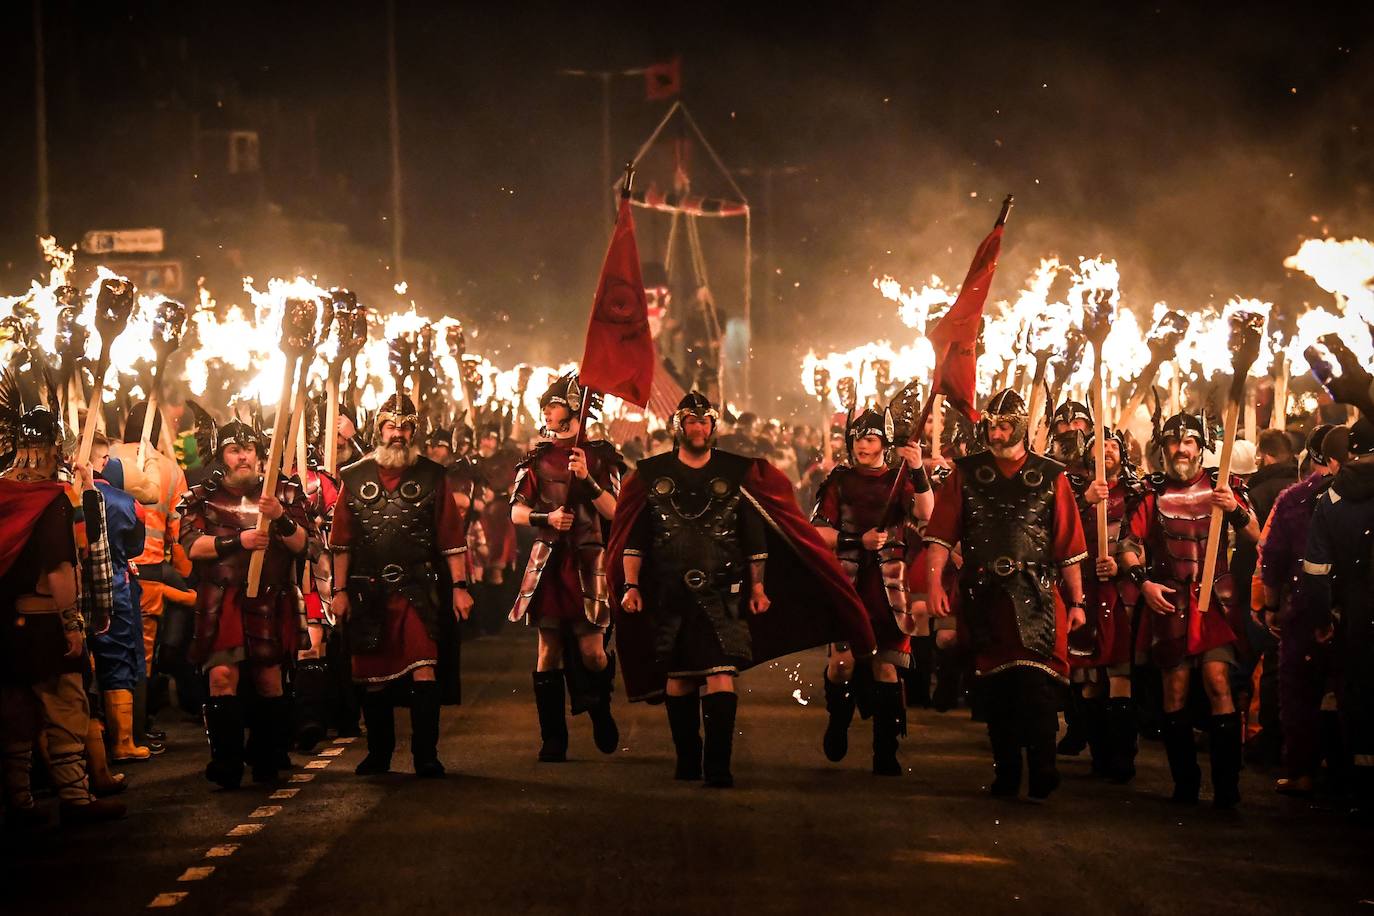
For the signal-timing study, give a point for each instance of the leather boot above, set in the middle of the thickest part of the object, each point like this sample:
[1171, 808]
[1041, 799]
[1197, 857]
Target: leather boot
[1177, 732]
[605, 733]
[424, 729]
[1075, 738]
[1225, 748]
[156, 746]
[839, 703]
[77, 805]
[380, 719]
[1121, 731]
[684, 722]
[269, 737]
[20, 811]
[549, 702]
[889, 723]
[718, 717]
[224, 731]
[310, 691]
[949, 669]
[102, 781]
[1040, 723]
[119, 719]
[917, 677]
[1099, 742]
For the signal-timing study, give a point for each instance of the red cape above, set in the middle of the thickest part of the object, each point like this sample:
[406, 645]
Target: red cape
[24, 502]
[812, 602]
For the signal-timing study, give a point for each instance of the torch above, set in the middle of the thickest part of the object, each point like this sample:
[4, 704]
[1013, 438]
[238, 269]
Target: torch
[1247, 332]
[297, 336]
[820, 381]
[458, 344]
[1163, 341]
[114, 303]
[1040, 337]
[168, 324]
[71, 350]
[350, 326]
[1097, 323]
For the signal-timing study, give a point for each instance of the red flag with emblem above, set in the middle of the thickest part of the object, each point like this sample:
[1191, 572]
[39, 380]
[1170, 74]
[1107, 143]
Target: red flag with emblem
[619, 355]
[955, 336]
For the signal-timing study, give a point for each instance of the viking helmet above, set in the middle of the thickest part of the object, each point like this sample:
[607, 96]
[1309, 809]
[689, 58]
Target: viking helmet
[564, 391]
[1181, 426]
[1007, 406]
[695, 404]
[400, 410]
[871, 423]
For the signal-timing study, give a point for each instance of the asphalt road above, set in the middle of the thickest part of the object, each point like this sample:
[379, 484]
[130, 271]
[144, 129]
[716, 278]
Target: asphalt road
[505, 834]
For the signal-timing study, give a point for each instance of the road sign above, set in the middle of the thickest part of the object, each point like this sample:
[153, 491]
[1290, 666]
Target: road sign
[123, 241]
[153, 276]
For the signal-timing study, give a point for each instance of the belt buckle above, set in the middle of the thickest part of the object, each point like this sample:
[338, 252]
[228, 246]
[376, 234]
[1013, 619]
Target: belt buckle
[694, 579]
[391, 573]
[1003, 566]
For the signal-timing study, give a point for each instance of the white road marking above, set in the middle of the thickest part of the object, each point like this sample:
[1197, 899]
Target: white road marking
[266, 811]
[344, 740]
[197, 873]
[284, 793]
[219, 852]
[319, 764]
[332, 751]
[166, 900]
[245, 830]
[302, 777]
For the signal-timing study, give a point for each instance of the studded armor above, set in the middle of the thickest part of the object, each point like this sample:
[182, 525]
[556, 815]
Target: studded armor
[1008, 546]
[394, 550]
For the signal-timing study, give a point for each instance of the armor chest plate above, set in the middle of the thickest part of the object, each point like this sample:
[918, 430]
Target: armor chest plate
[696, 524]
[394, 526]
[229, 513]
[1116, 514]
[552, 478]
[1008, 520]
[1182, 515]
[863, 498]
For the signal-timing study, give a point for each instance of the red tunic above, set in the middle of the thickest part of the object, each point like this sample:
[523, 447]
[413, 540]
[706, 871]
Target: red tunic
[1109, 603]
[1005, 650]
[852, 500]
[405, 643]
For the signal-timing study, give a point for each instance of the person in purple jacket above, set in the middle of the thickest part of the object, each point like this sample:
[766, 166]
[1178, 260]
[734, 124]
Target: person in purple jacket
[1304, 662]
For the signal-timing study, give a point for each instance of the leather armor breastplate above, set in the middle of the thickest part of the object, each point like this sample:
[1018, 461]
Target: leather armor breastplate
[1008, 527]
[696, 530]
[1183, 513]
[395, 527]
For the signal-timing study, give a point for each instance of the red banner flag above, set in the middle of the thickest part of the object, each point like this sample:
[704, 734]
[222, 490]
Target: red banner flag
[955, 336]
[619, 356]
[663, 81]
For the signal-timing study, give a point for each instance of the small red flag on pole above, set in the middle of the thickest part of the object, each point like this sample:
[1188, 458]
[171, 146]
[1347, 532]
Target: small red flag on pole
[955, 336]
[619, 355]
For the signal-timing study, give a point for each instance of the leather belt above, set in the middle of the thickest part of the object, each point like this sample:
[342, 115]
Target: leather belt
[1005, 566]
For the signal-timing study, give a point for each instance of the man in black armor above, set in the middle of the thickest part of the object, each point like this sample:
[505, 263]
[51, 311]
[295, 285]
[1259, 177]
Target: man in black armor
[696, 535]
[396, 520]
[1015, 516]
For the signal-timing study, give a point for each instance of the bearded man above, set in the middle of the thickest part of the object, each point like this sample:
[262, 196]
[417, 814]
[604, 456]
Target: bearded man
[1177, 635]
[237, 636]
[395, 521]
[1015, 516]
[718, 571]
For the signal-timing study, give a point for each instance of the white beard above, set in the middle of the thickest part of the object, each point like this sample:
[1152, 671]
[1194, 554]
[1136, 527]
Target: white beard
[394, 457]
[1005, 451]
[1185, 470]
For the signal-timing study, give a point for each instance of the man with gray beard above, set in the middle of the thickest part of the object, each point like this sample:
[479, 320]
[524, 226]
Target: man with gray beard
[395, 522]
[236, 635]
[1177, 635]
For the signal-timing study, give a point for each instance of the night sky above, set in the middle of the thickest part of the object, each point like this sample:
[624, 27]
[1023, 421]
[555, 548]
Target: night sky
[1197, 143]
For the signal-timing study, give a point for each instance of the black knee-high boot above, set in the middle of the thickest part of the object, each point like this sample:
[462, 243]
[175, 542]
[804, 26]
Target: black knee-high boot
[424, 729]
[380, 719]
[1177, 731]
[549, 701]
[1121, 731]
[1075, 728]
[839, 703]
[889, 723]
[273, 718]
[718, 715]
[1225, 747]
[917, 677]
[1039, 722]
[684, 722]
[224, 731]
[310, 695]
[1006, 750]
[1094, 711]
[605, 733]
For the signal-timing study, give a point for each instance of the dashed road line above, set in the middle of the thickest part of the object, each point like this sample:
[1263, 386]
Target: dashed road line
[165, 900]
[319, 764]
[266, 811]
[197, 873]
[284, 793]
[220, 852]
[301, 777]
[245, 830]
[332, 751]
